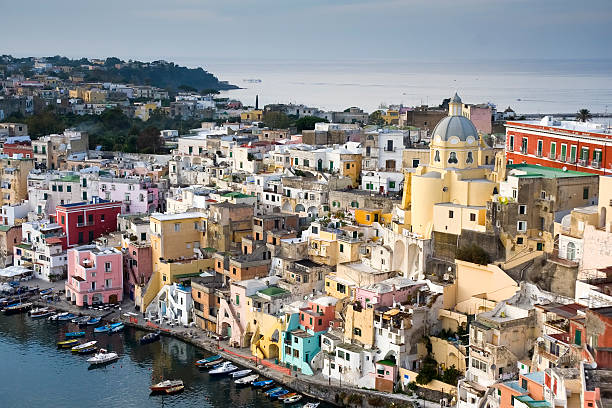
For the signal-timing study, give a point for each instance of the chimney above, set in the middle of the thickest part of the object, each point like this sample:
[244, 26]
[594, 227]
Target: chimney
[256, 102]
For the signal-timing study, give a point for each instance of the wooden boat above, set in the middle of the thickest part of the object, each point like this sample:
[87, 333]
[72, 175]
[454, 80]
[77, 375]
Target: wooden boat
[107, 328]
[203, 362]
[65, 317]
[18, 308]
[289, 395]
[41, 312]
[88, 350]
[214, 364]
[45, 291]
[273, 390]
[103, 357]
[175, 390]
[83, 346]
[75, 334]
[278, 394]
[223, 369]
[165, 385]
[311, 405]
[80, 319]
[240, 374]
[150, 338]
[92, 321]
[293, 399]
[67, 343]
[117, 328]
[261, 384]
[246, 380]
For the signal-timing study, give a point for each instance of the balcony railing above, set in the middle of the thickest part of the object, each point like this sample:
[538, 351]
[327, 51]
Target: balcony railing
[595, 164]
[524, 150]
[561, 158]
[551, 155]
[582, 162]
[539, 153]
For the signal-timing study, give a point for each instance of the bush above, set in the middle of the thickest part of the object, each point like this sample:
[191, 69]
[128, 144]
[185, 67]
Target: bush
[473, 253]
[428, 371]
[451, 376]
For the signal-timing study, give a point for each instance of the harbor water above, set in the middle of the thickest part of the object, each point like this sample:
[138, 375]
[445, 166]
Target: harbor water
[35, 373]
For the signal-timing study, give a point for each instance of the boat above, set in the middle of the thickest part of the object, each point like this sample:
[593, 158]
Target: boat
[261, 384]
[88, 350]
[65, 317]
[93, 320]
[149, 338]
[57, 315]
[224, 368]
[311, 405]
[246, 380]
[80, 319]
[103, 357]
[204, 361]
[18, 308]
[116, 328]
[278, 394]
[293, 399]
[67, 343]
[41, 312]
[45, 291]
[83, 346]
[273, 390]
[289, 395]
[165, 385]
[241, 373]
[75, 334]
[107, 328]
[175, 390]
[214, 363]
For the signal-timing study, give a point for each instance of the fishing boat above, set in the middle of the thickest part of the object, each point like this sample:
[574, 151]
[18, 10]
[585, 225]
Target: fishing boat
[18, 308]
[46, 291]
[289, 395]
[116, 328]
[246, 380]
[175, 390]
[103, 357]
[83, 346]
[57, 315]
[93, 321]
[106, 328]
[261, 384]
[224, 368]
[273, 390]
[67, 343]
[88, 350]
[65, 317]
[214, 363]
[150, 338]
[80, 319]
[292, 399]
[202, 363]
[278, 394]
[240, 374]
[74, 335]
[311, 405]
[41, 312]
[166, 385]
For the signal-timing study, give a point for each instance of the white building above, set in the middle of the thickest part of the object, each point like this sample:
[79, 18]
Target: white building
[173, 304]
[381, 182]
[383, 150]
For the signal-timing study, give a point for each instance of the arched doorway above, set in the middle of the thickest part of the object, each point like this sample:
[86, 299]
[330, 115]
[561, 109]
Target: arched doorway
[287, 207]
[299, 208]
[571, 251]
[312, 212]
[273, 351]
[226, 329]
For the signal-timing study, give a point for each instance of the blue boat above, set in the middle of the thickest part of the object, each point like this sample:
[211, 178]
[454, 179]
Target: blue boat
[203, 362]
[117, 327]
[91, 322]
[273, 390]
[278, 394]
[263, 383]
[107, 328]
[74, 335]
[67, 317]
[46, 291]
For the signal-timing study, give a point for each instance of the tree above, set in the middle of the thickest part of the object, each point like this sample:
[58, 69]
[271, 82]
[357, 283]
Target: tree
[276, 120]
[187, 88]
[428, 371]
[473, 253]
[583, 115]
[376, 118]
[451, 375]
[149, 140]
[308, 122]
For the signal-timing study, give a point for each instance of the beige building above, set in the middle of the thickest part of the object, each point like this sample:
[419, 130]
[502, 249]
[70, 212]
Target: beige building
[14, 179]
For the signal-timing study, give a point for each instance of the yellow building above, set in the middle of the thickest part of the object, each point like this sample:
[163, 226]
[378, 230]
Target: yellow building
[391, 117]
[323, 247]
[14, 179]
[94, 96]
[450, 193]
[366, 216]
[254, 115]
[350, 166]
[144, 110]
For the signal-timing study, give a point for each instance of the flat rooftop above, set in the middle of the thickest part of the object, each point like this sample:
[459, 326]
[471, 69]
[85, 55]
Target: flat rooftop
[532, 170]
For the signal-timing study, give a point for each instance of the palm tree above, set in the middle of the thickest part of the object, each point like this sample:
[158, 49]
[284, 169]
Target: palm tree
[583, 115]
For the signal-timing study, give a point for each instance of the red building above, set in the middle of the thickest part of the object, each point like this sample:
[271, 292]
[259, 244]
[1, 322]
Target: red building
[11, 149]
[585, 147]
[319, 313]
[85, 221]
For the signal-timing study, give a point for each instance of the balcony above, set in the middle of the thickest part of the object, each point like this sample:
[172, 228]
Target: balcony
[524, 150]
[551, 155]
[562, 158]
[595, 164]
[102, 289]
[539, 153]
[582, 163]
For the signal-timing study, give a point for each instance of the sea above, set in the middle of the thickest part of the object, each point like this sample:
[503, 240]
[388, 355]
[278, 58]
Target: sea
[34, 373]
[527, 86]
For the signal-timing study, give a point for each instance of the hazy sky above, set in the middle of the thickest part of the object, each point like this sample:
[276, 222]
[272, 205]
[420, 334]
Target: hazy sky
[305, 29]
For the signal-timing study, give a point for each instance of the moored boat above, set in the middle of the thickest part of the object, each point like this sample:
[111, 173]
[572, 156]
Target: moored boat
[261, 384]
[150, 338]
[278, 394]
[289, 395]
[83, 346]
[46, 291]
[175, 390]
[311, 405]
[273, 390]
[92, 321]
[165, 385]
[41, 312]
[225, 368]
[292, 399]
[67, 343]
[116, 328]
[246, 380]
[103, 357]
[75, 334]
[107, 328]
[65, 317]
[203, 362]
[88, 350]
[240, 373]
[18, 308]
[80, 319]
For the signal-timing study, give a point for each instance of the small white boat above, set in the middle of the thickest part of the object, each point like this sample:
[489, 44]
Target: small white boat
[103, 357]
[241, 373]
[246, 380]
[83, 346]
[223, 369]
[311, 405]
[292, 399]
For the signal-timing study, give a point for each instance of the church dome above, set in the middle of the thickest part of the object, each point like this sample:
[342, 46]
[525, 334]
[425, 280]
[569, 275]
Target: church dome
[458, 126]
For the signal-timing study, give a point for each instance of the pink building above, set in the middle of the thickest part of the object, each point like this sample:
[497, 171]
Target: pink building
[137, 266]
[319, 313]
[136, 196]
[387, 292]
[95, 274]
[481, 117]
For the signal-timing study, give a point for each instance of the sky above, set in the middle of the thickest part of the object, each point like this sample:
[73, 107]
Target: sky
[424, 30]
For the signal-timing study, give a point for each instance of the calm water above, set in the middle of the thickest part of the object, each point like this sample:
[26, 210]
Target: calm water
[35, 373]
[543, 86]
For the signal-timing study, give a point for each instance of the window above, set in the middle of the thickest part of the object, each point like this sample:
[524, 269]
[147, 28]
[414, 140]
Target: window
[437, 156]
[553, 150]
[177, 227]
[563, 155]
[452, 158]
[392, 184]
[470, 158]
[69, 189]
[519, 240]
[524, 144]
[102, 217]
[521, 226]
[108, 283]
[237, 300]
[511, 144]
[341, 247]
[472, 217]
[356, 331]
[573, 151]
[584, 154]
[540, 148]
[451, 214]
[585, 193]
[348, 166]
[415, 162]
[522, 209]
[54, 188]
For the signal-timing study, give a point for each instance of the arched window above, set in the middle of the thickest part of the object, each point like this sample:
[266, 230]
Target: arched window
[470, 158]
[571, 251]
[437, 156]
[453, 158]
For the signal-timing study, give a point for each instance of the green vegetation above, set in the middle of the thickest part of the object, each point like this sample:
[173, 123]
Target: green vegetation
[376, 118]
[473, 253]
[112, 129]
[583, 115]
[276, 120]
[308, 122]
[429, 372]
